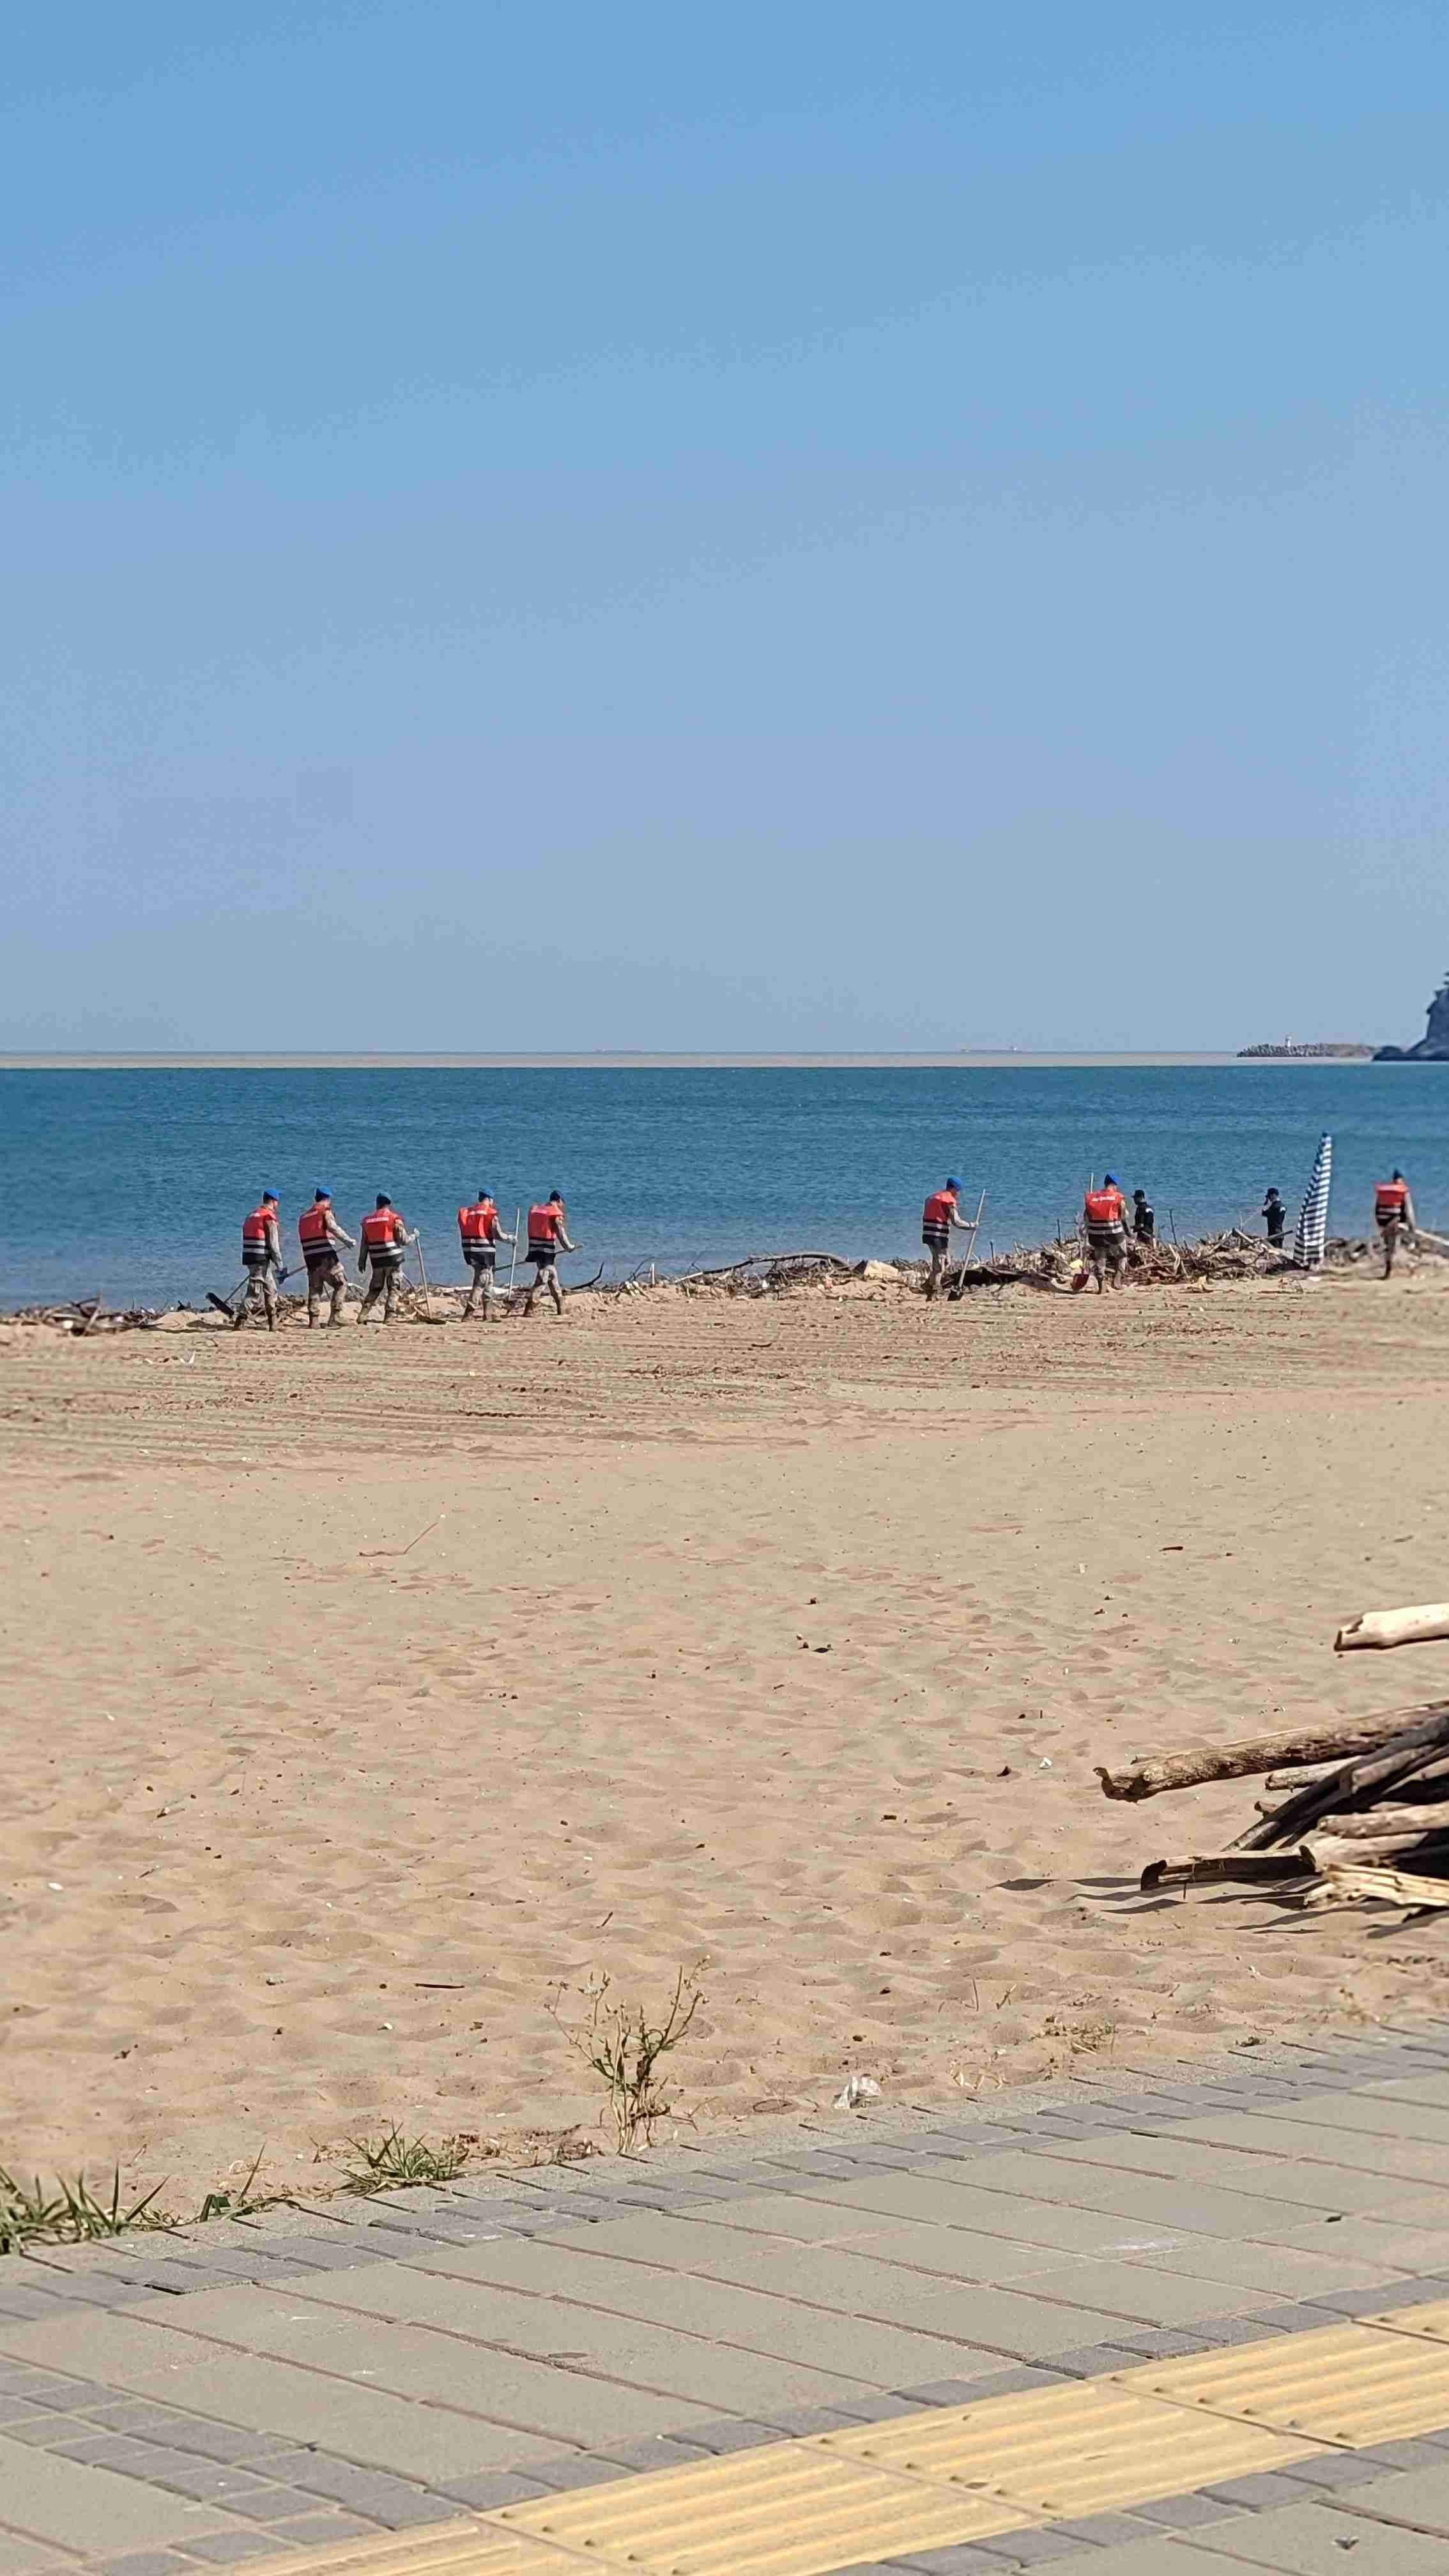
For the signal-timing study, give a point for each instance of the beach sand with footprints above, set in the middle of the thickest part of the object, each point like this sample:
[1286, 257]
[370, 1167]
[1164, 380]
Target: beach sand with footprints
[367, 1689]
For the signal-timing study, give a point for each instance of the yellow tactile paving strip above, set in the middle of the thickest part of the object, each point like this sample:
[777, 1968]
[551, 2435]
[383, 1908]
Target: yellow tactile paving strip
[961, 2473]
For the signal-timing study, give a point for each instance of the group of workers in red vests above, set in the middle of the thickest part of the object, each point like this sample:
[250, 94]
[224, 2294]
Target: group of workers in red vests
[385, 1238]
[1107, 1219]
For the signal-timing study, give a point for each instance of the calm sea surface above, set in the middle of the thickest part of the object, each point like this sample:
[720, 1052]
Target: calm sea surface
[135, 1182]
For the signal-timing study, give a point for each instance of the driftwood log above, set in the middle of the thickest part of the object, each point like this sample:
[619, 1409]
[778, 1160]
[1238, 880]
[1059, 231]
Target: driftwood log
[1348, 1881]
[1320, 1745]
[1254, 1869]
[1384, 1628]
[1422, 1748]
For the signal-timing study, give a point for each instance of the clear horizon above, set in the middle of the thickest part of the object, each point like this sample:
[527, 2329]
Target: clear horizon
[867, 536]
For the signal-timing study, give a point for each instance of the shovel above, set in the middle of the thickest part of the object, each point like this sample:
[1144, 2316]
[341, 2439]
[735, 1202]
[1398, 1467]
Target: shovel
[958, 1292]
[227, 1305]
[429, 1317]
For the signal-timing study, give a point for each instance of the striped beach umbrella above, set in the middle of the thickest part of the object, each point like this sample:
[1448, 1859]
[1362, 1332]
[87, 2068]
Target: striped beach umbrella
[1312, 1233]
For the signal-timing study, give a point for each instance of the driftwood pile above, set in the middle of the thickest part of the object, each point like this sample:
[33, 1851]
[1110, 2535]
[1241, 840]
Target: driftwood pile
[89, 1316]
[1357, 1809]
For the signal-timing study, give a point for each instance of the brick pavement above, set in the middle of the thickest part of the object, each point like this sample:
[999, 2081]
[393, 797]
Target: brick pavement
[242, 2393]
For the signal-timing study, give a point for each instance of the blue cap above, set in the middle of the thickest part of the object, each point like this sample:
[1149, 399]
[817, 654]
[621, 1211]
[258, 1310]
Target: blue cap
[322, 1191]
[954, 1183]
[269, 1194]
[1109, 1180]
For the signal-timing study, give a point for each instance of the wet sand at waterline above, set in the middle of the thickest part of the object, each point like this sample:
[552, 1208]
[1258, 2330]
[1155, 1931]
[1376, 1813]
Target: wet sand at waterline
[778, 1636]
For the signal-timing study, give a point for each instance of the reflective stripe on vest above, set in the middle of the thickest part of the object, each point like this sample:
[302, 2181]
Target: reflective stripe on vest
[939, 1209]
[479, 1224]
[383, 1230]
[314, 1231]
[254, 1228]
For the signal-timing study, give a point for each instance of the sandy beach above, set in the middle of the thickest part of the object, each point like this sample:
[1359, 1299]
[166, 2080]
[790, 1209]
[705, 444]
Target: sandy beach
[774, 1637]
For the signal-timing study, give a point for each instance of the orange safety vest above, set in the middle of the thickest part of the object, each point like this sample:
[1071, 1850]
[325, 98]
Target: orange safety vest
[382, 1229]
[254, 1228]
[1105, 1207]
[314, 1230]
[1391, 1198]
[939, 1209]
[544, 1223]
[479, 1224]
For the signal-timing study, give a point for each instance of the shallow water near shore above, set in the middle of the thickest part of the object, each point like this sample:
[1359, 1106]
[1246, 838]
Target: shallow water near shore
[133, 1181]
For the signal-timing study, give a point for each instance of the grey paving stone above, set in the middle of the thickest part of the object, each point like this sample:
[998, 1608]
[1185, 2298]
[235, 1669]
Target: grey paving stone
[47, 2431]
[1429, 2451]
[809, 2422]
[489, 2492]
[943, 2392]
[559, 2477]
[665, 2451]
[1011, 2383]
[393, 2502]
[316, 2254]
[1247, 2495]
[17, 2410]
[1325, 2475]
[278, 2504]
[102, 2450]
[182, 2473]
[1104, 2530]
[63, 2394]
[1185, 2512]
[1164, 2343]
[230, 2548]
[146, 2562]
[963, 2560]
[225, 2442]
[1397, 2294]
[1027, 2548]
[314, 2530]
[865, 2408]
[732, 2433]
[1300, 2316]
[1089, 2360]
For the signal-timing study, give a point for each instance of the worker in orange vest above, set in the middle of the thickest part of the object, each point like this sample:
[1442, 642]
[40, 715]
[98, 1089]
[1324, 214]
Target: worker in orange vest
[1393, 1215]
[1104, 1221]
[938, 1216]
[480, 1234]
[547, 1238]
[261, 1255]
[385, 1238]
[322, 1240]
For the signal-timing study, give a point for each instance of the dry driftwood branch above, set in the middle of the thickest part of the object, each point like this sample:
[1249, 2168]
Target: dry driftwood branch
[1327, 1850]
[1304, 1775]
[1420, 1749]
[1372, 1824]
[1383, 1628]
[1360, 1885]
[1321, 1743]
[1260, 1869]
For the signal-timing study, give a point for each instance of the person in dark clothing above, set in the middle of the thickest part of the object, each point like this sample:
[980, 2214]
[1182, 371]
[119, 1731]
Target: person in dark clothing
[1144, 1218]
[1275, 1217]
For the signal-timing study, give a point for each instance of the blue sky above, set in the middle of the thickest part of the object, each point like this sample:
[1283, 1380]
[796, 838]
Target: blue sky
[821, 527]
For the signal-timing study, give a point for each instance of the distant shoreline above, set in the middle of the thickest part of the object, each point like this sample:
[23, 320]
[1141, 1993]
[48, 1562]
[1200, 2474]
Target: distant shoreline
[604, 1060]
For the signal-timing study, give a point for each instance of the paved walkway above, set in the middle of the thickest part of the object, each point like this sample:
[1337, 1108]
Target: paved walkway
[1166, 2333]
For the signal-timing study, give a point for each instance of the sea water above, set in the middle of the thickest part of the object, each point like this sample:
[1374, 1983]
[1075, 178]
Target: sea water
[133, 1183]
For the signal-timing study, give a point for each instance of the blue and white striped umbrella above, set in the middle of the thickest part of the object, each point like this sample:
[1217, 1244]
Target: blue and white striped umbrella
[1312, 1232]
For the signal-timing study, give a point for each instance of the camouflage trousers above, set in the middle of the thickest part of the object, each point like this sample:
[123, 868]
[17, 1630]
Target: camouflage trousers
[259, 1286]
[383, 1284]
[325, 1279]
